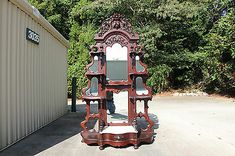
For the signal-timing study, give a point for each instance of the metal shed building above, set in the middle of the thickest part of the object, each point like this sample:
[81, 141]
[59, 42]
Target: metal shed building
[33, 71]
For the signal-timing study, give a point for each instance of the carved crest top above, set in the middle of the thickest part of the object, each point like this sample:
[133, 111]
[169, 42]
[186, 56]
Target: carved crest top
[116, 22]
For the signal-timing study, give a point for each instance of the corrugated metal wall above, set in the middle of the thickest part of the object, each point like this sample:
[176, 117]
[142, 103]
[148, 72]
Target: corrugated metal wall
[33, 80]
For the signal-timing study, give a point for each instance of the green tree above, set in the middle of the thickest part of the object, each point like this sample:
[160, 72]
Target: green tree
[187, 42]
[219, 64]
[56, 12]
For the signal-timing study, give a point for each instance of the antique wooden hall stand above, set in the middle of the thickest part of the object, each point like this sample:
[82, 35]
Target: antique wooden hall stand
[116, 67]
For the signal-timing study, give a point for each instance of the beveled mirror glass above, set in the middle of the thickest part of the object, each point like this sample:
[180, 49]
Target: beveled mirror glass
[94, 66]
[139, 67]
[93, 90]
[140, 89]
[117, 66]
[120, 102]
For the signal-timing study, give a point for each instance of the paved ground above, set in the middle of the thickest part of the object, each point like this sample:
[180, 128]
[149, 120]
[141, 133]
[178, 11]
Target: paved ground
[188, 126]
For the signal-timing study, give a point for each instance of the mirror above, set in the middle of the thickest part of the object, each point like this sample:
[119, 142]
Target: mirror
[94, 67]
[140, 89]
[93, 123]
[139, 67]
[117, 66]
[119, 112]
[93, 90]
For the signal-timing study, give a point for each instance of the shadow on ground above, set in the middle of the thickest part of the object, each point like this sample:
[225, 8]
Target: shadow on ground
[56, 132]
[52, 134]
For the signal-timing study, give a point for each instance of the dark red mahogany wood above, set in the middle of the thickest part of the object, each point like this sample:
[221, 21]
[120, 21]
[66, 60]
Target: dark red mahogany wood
[117, 29]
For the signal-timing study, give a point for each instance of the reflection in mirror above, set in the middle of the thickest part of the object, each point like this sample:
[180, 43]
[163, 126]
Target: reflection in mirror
[93, 90]
[139, 67]
[94, 67]
[93, 123]
[117, 67]
[120, 112]
[140, 89]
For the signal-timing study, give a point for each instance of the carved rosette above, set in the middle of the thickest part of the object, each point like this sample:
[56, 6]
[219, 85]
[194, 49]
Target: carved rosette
[116, 21]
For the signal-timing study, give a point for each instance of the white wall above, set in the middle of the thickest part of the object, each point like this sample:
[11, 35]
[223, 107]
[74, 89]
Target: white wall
[33, 80]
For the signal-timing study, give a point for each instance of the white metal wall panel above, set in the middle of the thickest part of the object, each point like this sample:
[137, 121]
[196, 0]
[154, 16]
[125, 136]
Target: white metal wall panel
[33, 80]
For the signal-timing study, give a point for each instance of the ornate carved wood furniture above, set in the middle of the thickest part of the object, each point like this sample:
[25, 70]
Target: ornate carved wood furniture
[117, 67]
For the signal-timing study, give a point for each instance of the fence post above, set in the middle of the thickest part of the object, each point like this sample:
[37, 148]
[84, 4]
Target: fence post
[73, 106]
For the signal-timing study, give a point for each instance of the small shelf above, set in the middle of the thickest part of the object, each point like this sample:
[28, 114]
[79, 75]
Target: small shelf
[141, 97]
[97, 53]
[118, 84]
[92, 97]
[138, 74]
[94, 74]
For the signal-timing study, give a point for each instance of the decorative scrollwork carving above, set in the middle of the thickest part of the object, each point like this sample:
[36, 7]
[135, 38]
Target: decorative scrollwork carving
[91, 116]
[116, 21]
[151, 123]
[116, 39]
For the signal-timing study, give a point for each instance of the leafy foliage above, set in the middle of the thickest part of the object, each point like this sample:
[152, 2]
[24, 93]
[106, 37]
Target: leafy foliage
[56, 12]
[187, 43]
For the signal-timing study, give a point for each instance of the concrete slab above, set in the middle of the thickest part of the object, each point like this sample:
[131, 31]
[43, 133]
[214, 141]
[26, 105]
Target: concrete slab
[189, 126]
